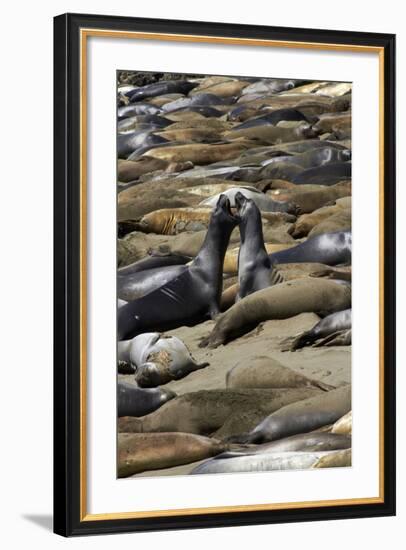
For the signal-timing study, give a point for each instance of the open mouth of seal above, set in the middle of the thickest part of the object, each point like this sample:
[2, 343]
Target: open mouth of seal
[225, 205]
[240, 202]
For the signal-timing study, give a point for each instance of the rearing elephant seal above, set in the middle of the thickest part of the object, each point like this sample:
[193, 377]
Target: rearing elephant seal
[278, 302]
[191, 296]
[254, 265]
[134, 401]
[158, 359]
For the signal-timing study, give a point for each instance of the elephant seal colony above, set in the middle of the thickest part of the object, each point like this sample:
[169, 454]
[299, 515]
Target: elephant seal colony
[234, 274]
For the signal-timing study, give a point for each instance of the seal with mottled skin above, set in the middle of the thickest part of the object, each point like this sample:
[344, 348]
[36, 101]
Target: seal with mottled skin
[264, 462]
[254, 266]
[328, 248]
[222, 413]
[278, 302]
[302, 416]
[135, 401]
[338, 321]
[267, 372]
[157, 359]
[140, 452]
[193, 295]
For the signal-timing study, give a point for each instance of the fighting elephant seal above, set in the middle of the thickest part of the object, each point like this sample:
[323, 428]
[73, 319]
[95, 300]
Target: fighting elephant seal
[303, 416]
[221, 413]
[193, 295]
[254, 266]
[266, 372]
[278, 302]
[140, 452]
[331, 324]
[134, 401]
[158, 359]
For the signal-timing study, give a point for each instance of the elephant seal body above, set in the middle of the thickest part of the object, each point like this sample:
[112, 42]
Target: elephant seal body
[343, 425]
[158, 359]
[254, 266]
[152, 262]
[327, 174]
[329, 248]
[337, 459]
[303, 416]
[266, 372]
[162, 88]
[221, 413]
[264, 462]
[134, 401]
[140, 452]
[278, 302]
[311, 442]
[193, 295]
[135, 285]
[331, 324]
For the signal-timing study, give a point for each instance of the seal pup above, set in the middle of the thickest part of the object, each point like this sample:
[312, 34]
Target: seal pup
[254, 265]
[331, 324]
[157, 359]
[302, 416]
[193, 295]
[135, 401]
[278, 302]
[142, 452]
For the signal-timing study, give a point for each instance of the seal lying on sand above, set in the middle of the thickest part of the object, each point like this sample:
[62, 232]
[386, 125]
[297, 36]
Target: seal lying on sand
[134, 401]
[264, 462]
[301, 417]
[337, 459]
[140, 452]
[343, 425]
[157, 359]
[329, 249]
[338, 321]
[278, 302]
[221, 413]
[312, 442]
[267, 372]
[193, 295]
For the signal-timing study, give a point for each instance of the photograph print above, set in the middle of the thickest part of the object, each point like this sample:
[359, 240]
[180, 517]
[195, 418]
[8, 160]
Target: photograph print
[233, 274]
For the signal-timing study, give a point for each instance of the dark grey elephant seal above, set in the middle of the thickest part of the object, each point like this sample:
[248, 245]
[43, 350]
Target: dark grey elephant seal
[193, 295]
[330, 325]
[273, 118]
[161, 88]
[133, 286]
[135, 401]
[326, 174]
[328, 248]
[303, 416]
[152, 262]
[254, 265]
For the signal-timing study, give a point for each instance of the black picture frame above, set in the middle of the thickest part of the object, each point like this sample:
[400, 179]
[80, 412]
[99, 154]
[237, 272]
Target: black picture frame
[67, 355]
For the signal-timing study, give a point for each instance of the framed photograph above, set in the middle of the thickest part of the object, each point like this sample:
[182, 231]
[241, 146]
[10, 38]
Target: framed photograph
[224, 274]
